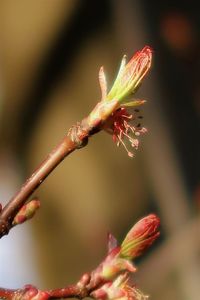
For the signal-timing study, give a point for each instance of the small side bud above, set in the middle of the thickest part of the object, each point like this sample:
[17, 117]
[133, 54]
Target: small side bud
[30, 292]
[85, 279]
[26, 212]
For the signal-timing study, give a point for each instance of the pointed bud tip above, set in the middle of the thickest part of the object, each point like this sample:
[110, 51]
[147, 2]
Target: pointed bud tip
[148, 52]
[152, 219]
[146, 226]
[147, 49]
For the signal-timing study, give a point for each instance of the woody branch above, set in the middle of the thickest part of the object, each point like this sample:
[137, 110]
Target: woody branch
[108, 114]
[110, 279]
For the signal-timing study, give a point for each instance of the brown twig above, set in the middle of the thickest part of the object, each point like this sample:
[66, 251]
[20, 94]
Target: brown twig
[29, 292]
[77, 138]
[80, 290]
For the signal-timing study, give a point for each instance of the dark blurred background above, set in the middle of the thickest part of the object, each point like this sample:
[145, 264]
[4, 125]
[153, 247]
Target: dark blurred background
[50, 54]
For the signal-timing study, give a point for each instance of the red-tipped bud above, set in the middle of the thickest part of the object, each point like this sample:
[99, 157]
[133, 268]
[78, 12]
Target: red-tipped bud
[26, 212]
[118, 260]
[140, 237]
[130, 75]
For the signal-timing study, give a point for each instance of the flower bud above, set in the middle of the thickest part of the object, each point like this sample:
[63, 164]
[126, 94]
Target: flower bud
[130, 75]
[140, 237]
[110, 113]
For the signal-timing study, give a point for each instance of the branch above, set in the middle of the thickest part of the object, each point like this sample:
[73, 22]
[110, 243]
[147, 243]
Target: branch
[109, 114]
[66, 146]
[29, 291]
[110, 280]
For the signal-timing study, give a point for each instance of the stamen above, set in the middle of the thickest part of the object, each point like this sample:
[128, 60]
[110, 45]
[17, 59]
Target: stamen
[122, 142]
[120, 128]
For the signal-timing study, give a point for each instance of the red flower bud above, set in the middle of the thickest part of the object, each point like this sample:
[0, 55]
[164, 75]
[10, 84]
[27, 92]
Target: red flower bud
[130, 75]
[140, 237]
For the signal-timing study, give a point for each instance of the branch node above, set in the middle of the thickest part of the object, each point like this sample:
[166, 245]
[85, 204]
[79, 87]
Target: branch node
[78, 135]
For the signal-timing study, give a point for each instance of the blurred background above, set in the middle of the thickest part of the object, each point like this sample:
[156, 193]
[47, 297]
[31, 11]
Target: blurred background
[50, 54]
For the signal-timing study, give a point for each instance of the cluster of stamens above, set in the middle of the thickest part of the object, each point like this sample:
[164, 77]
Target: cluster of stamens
[119, 126]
